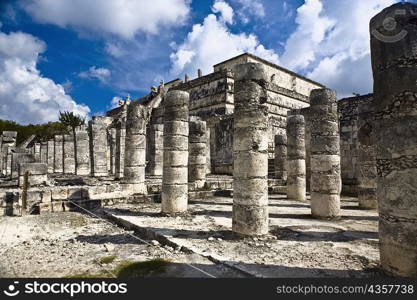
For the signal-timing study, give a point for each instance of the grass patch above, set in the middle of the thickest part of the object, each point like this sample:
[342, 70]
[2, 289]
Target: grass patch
[107, 259]
[129, 269]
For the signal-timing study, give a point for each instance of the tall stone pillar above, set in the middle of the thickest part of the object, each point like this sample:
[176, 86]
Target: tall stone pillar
[175, 169]
[44, 152]
[296, 153]
[98, 146]
[394, 52]
[155, 143]
[82, 159]
[208, 151]
[120, 151]
[112, 152]
[58, 155]
[37, 151]
[281, 157]
[250, 151]
[50, 156]
[135, 153]
[197, 152]
[69, 154]
[326, 182]
[366, 162]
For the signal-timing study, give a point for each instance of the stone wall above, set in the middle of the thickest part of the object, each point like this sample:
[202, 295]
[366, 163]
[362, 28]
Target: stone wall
[348, 116]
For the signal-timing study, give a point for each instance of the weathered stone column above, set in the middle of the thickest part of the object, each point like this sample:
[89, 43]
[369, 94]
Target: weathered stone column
[250, 151]
[83, 153]
[37, 152]
[69, 154]
[366, 162]
[135, 153]
[326, 182]
[155, 143]
[281, 157]
[112, 152]
[296, 153]
[98, 146]
[58, 155]
[50, 156]
[175, 169]
[208, 151]
[197, 152]
[394, 52]
[44, 152]
[120, 151]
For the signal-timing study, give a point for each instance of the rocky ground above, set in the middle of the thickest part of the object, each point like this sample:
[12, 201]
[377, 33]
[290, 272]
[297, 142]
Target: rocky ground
[70, 244]
[199, 243]
[298, 245]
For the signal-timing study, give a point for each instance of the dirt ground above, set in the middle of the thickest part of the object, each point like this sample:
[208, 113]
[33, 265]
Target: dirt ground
[197, 244]
[71, 244]
[298, 245]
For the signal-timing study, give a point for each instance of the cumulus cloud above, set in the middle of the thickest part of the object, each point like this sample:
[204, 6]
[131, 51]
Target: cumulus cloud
[25, 95]
[331, 43]
[120, 17]
[212, 42]
[102, 74]
[226, 12]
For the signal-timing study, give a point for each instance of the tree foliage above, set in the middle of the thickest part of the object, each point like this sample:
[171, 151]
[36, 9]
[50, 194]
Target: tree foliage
[70, 119]
[43, 132]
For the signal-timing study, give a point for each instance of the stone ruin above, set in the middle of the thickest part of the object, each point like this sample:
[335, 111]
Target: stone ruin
[249, 128]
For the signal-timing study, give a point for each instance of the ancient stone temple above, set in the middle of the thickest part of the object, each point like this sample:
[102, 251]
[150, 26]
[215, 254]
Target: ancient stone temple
[243, 163]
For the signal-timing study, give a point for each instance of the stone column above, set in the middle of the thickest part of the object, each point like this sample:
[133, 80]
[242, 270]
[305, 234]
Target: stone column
[37, 152]
[120, 152]
[44, 152]
[250, 151]
[98, 146]
[394, 51]
[58, 155]
[50, 156]
[208, 151]
[69, 154]
[366, 162]
[155, 143]
[83, 153]
[135, 153]
[197, 152]
[296, 153]
[281, 157]
[326, 182]
[112, 144]
[175, 169]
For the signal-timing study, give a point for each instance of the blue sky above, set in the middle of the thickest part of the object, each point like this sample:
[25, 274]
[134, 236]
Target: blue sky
[82, 55]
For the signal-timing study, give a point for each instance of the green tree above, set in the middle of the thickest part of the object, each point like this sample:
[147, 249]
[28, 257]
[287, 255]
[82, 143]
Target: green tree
[73, 121]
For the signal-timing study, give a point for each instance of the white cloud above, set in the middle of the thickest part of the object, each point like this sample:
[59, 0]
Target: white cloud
[212, 42]
[25, 95]
[102, 74]
[226, 12]
[250, 8]
[331, 43]
[120, 17]
[114, 103]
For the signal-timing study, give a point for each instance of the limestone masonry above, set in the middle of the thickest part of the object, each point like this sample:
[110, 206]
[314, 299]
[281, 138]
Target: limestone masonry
[250, 131]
